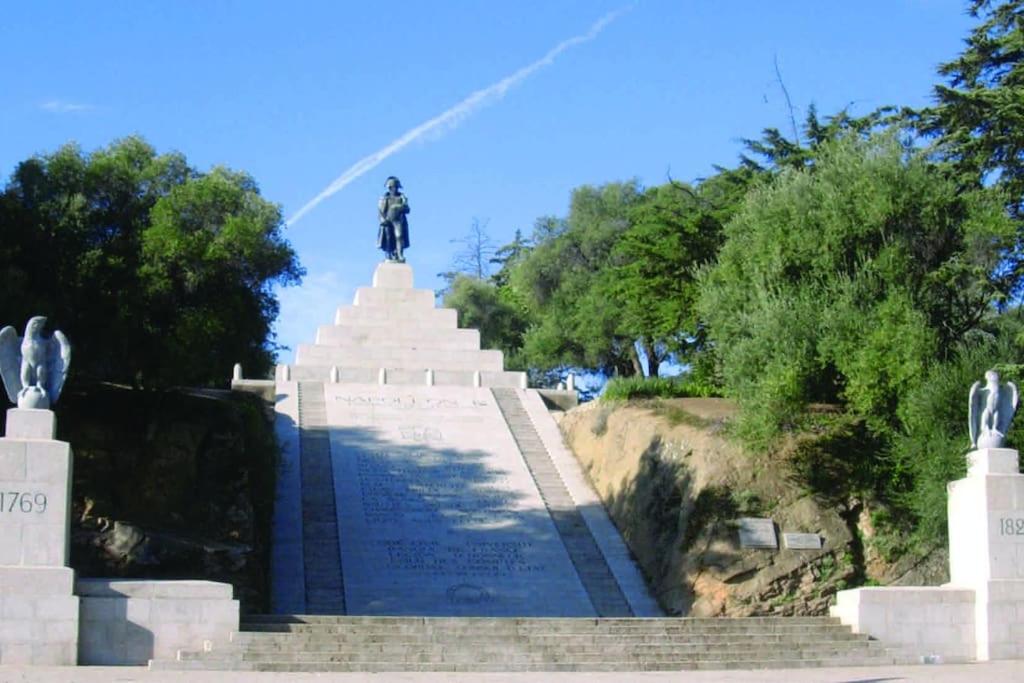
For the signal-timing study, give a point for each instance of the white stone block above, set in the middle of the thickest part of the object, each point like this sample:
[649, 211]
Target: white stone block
[403, 315]
[34, 513]
[27, 423]
[414, 300]
[411, 357]
[396, 275]
[12, 459]
[131, 622]
[992, 461]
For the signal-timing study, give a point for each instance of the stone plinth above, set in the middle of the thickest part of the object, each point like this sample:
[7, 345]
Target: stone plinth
[393, 275]
[30, 424]
[986, 563]
[927, 621]
[40, 616]
[126, 622]
[986, 548]
[37, 604]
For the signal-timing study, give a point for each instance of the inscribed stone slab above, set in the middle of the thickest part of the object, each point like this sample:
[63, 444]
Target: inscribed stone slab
[795, 541]
[438, 514]
[757, 532]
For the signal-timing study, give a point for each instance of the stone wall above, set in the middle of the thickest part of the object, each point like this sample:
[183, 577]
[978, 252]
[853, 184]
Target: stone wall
[130, 622]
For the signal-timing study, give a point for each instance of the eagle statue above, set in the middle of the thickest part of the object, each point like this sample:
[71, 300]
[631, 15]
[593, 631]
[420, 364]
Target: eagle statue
[34, 367]
[990, 410]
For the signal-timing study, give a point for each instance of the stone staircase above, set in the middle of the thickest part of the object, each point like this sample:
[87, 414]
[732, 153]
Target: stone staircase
[321, 557]
[601, 586]
[326, 643]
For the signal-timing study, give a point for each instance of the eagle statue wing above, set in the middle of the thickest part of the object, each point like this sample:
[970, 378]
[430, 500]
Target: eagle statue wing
[58, 358]
[10, 362]
[975, 401]
[1007, 407]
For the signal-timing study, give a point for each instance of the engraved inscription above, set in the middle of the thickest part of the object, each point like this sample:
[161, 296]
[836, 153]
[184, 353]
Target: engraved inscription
[406, 402]
[467, 594]
[1011, 526]
[480, 559]
[794, 541]
[27, 502]
[420, 487]
[421, 434]
[757, 532]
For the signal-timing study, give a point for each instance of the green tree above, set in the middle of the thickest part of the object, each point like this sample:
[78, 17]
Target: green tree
[846, 281]
[979, 117]
[566, 285]
[487, 307]
[673, 230]
[158, 273]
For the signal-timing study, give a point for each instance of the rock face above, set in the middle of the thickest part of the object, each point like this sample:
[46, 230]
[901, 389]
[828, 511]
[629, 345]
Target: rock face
[170, 485]
[675, 486]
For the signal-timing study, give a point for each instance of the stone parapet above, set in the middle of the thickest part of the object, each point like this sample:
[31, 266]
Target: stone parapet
[927, 622]
[986, 568]
[39, 616]
[127, 622]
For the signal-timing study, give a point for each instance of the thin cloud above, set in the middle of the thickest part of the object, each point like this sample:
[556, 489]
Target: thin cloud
[65, 107]
[450, 119]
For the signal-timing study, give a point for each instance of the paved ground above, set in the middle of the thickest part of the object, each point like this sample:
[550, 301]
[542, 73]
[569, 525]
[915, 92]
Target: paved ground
[990, 672]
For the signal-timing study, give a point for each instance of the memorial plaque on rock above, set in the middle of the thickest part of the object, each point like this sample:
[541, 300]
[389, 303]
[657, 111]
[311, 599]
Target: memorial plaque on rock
[757, 532]
[801, 541]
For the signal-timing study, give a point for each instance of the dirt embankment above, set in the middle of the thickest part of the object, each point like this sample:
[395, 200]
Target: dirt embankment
[675, 485]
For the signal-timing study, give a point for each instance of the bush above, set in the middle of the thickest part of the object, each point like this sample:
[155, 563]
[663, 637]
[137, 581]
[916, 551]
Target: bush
[929, 452]
[683, 386]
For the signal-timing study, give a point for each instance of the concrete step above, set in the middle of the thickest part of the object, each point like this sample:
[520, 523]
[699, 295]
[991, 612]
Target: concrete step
[399, 315]
[591, 657]
[404, 376]
[378, 635]
[679, 664]
[604, 591]
[321, 556]
[555, 646]
[552, 624]
[347, 336]
[404, 357]
[390, 297]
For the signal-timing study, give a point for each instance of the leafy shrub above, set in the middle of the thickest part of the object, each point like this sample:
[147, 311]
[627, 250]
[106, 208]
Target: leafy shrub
[929, 452]
[683, 386]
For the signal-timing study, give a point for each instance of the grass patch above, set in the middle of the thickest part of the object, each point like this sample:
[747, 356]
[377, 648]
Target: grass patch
[675, 416]
[683, 386]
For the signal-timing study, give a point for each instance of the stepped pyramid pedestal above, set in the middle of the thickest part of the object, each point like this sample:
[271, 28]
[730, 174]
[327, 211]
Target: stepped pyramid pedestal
[421, 478]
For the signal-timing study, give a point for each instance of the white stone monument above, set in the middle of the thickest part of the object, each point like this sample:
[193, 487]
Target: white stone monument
[123, 622]
[38, 608]
[407, 488]
[37, 602]
[979, 614]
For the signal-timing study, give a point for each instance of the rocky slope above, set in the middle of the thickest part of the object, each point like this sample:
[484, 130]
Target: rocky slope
[674, 485]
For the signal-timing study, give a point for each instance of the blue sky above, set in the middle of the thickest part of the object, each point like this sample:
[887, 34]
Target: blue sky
[296, 93]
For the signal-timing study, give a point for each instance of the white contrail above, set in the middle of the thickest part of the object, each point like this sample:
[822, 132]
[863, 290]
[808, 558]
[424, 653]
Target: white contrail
[454, 116]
